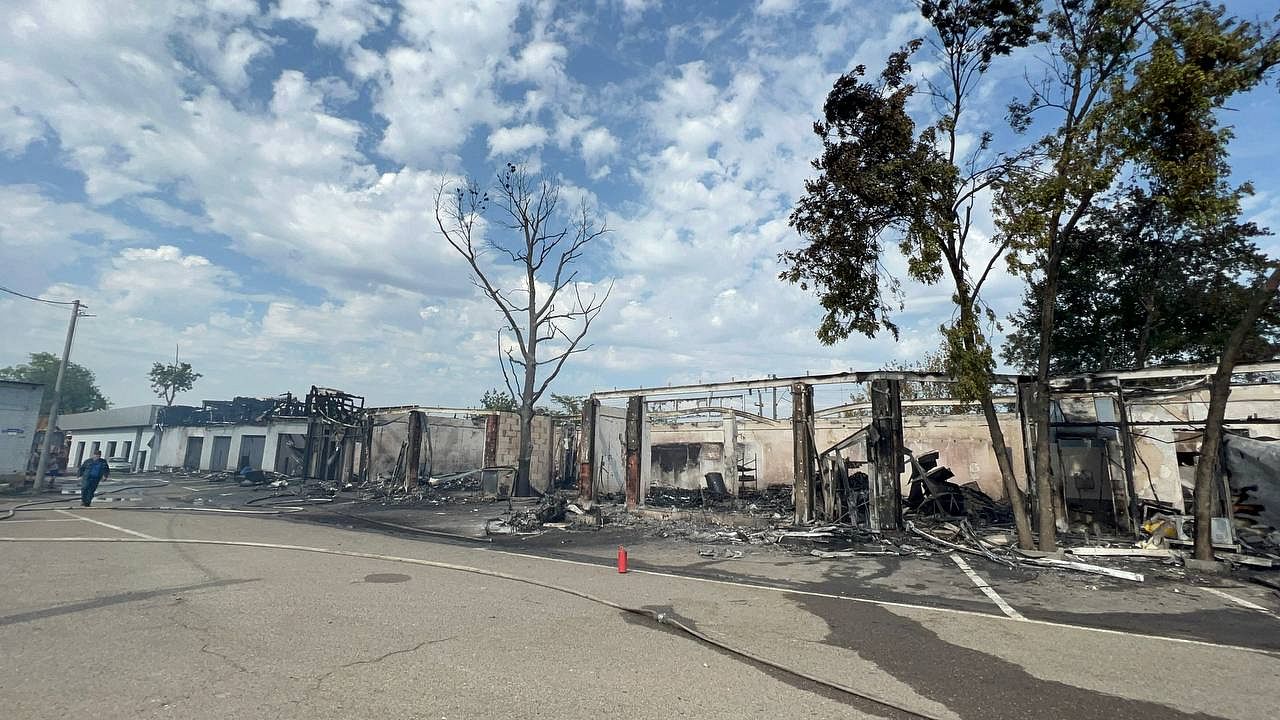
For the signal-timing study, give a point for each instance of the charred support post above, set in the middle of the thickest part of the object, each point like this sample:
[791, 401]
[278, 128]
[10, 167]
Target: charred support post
[366, 446]
[1129, 520]
[348, 457]
[729, 457]
[587, 452]
[310, 453]
[802, 451]
[1026, 405]
[491, 439]
[885, 453]
[413, 451]
[634, 429]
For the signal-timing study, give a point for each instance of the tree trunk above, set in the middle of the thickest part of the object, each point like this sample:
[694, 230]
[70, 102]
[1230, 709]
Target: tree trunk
[1044, 483]
[998, 443]
[1016, 498]
[1144, 338]
[1219, 392]
[523, 486]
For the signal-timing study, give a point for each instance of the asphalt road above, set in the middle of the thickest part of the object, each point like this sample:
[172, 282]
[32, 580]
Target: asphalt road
[140, 627]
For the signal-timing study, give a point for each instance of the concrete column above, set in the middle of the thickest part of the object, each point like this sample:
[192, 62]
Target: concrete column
[366, 449]
[133, 453]
[491, 440]
[885, 451]
[587, 452]
[348, 458]
[635, 421]
[729, 459]
[802, 451]
[413, 451]
[646, 457]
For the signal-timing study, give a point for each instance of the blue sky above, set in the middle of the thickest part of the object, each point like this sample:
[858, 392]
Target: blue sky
[252, 181]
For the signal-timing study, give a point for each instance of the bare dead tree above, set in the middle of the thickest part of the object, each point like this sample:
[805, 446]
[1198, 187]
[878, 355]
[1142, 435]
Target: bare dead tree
[549, 305]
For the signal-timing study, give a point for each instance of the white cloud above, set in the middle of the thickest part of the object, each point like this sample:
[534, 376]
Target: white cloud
[540, 60]
[228, 55]
[167, 214]
[776, 7]
[505, 141]
[633, 10]
[598, 145]
[703, 162]
[17, 130]
[442, 81]
[336, 22]
[40, 235]
[163, 283]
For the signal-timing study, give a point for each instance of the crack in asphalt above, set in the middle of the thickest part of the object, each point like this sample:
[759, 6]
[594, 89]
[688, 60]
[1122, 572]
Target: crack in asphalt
[225, 658]
[403, 651]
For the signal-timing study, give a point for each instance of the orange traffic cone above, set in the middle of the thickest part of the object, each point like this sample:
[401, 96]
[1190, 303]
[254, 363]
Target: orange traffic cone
[622, 559]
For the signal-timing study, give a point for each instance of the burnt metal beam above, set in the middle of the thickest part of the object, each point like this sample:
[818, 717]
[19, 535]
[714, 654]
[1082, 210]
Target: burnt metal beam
[429, 409]
[923, 402]
[711, 410]
[1163, 423]
[811, 380]
[867, 376]
[1157, 373]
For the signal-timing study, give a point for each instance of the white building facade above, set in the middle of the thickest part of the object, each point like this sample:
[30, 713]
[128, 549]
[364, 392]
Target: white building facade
[127, 432]
[273, 445]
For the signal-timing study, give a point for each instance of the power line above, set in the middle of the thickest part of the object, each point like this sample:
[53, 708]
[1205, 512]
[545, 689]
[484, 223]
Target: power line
[37, 299]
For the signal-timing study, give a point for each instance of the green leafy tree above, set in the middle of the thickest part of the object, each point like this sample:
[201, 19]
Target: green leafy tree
[931, 362]
[169, 380]
[1130, 87]
[496, 399]
[882, 184]
[1144, 289]
[569, 404]
[80, 391]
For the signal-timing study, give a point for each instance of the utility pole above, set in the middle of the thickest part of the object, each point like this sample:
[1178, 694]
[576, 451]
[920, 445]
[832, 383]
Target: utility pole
[43, 465]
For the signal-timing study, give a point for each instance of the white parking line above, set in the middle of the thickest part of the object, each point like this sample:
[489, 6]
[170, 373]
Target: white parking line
[987, 589]
[117, 528]
[1240, 601]
[10, 522]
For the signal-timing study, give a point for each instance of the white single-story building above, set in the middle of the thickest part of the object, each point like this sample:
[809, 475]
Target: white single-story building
[127, 432]
[273, 445]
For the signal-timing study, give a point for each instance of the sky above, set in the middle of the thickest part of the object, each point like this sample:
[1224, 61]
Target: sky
[252, 183]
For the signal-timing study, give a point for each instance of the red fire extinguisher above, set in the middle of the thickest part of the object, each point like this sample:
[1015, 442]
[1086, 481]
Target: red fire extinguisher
[622, 559]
